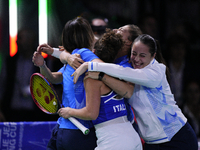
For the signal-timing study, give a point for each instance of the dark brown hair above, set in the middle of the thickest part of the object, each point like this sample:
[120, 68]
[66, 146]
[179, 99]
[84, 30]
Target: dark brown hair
[107, 47]
[134, 33]
[77, 33]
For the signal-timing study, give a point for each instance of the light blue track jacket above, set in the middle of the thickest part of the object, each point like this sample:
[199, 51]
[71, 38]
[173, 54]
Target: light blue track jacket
[158, 116]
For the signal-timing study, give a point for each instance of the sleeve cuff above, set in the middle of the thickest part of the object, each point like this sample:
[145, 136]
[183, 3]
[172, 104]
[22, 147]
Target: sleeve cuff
[92, 66]
[56, 53]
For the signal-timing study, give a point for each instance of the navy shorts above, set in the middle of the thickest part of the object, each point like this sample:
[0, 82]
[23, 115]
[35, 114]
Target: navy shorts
[71, 139]
[185, 139]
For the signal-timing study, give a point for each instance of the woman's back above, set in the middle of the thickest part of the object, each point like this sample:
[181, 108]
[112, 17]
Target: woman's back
[74, 94]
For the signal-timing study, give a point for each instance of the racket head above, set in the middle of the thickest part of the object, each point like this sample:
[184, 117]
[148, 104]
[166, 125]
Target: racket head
[44, 94]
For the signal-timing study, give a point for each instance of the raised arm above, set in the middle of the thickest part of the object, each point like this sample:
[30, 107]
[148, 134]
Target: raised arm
[45, 48]
[148, 76]
[73, 60]
[124, 89]
[53, 77]
[65, 57]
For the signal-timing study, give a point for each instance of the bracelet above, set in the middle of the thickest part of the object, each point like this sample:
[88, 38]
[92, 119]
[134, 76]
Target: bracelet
[43, 65]
[101, 74]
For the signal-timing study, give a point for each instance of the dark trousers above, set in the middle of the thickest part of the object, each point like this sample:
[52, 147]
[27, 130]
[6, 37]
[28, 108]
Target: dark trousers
[70, 139]
[185, 139]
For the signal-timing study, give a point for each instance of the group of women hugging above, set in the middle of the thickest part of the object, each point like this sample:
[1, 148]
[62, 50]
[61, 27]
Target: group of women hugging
[104, 81]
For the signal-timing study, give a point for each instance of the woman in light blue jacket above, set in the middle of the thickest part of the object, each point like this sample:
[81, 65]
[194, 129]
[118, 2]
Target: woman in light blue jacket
[161, 123]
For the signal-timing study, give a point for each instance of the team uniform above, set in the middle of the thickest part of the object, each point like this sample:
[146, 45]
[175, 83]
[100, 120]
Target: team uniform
[74, 96]
[113, 130]
[159, 119]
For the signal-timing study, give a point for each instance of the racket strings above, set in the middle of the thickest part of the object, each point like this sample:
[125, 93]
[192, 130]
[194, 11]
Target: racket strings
[44, 95]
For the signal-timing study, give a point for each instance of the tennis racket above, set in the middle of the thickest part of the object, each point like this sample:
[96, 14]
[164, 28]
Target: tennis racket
[45, 97]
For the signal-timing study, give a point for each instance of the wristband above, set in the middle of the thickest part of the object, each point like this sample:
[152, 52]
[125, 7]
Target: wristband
[101, 74]
[56, 53]
[43, 65]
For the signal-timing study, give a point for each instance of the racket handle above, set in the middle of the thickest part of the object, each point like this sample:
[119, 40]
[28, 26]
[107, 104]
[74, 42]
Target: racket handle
[79, 125]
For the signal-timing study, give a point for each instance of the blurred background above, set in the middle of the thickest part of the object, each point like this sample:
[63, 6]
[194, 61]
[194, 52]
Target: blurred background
[174, 23]
[155, 17]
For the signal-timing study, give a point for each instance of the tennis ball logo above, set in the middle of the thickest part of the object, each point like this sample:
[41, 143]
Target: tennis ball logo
[41, 91]
[49, 98]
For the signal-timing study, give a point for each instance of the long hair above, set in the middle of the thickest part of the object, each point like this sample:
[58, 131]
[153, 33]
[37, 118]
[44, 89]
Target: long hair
[77, 33]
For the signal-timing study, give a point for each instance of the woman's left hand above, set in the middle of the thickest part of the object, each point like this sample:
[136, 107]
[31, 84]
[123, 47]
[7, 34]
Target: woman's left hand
[38, 59]
[79, 71]
[75, 61]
